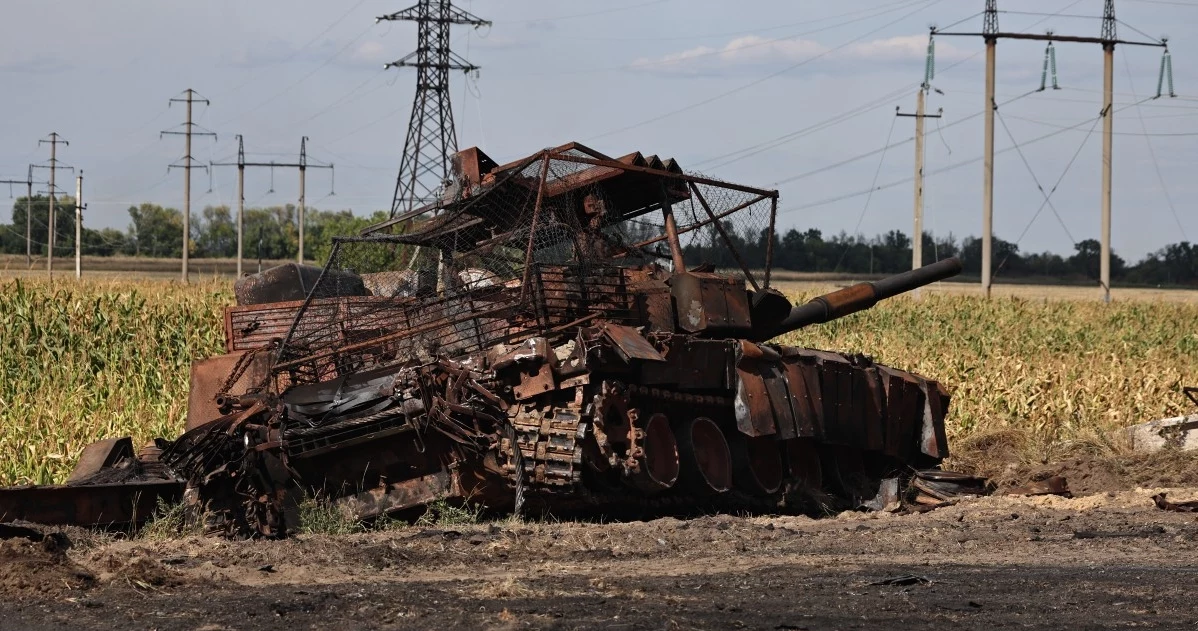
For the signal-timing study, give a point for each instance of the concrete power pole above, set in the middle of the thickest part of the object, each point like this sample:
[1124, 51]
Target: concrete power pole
[79, 225]
[54, 140]
[919, 116]
[1108, 40]
[302, 165]
[189, 129]
[240, 199]
[28, 182]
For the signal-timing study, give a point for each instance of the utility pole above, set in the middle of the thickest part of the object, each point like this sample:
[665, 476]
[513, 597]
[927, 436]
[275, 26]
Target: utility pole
[1108, 124]
[28, 182]
[431, 138]
[79, 225]
[53, 140]
[303, 165]
[1108, 39]
[189, 129]
[919, 116]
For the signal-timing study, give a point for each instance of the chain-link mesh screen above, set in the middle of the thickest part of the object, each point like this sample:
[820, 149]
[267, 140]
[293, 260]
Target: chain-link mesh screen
[530, 250]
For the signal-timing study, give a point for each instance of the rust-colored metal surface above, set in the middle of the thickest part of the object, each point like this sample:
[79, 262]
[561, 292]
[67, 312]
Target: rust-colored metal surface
[554, 334]
[116, 504]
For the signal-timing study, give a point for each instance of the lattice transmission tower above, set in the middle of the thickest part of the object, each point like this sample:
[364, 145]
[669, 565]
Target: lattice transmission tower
[431, 139]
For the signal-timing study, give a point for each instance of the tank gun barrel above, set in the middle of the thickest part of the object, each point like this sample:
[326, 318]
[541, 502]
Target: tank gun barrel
[862, 296]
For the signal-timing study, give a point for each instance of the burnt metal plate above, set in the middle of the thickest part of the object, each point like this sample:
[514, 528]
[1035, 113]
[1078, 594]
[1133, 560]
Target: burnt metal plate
[91, 505]
[629, 343]
[754, 413]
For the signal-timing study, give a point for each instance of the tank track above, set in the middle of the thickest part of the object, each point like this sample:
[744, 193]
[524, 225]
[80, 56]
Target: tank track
[562, 466]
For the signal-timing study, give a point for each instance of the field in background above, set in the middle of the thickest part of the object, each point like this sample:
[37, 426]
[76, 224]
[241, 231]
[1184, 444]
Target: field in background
[127, 267]
[1032, 378]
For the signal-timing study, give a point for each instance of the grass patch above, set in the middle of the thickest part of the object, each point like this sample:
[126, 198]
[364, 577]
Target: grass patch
[442, 512]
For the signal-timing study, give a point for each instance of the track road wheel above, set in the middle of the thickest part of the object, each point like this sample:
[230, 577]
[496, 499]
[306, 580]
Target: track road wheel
[803, 464]
[706, 459]
[654, 465]
[756, 464]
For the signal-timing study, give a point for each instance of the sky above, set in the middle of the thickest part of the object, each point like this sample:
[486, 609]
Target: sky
[798, 95]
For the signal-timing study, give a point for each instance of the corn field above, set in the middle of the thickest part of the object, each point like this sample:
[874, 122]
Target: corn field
[80, 362]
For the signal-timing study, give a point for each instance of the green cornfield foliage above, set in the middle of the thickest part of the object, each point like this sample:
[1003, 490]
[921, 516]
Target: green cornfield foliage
[80, 362]
[84, 361]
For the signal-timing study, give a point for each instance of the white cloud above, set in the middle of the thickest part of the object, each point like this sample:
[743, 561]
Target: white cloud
[756, 50]
[371, 51]
[747, 50]
[904, 48]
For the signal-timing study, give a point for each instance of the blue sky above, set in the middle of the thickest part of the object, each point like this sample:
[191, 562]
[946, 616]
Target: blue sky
[767, 92]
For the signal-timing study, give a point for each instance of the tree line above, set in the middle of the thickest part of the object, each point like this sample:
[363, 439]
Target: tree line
[270, 232]
[157, 231]
[811, 251]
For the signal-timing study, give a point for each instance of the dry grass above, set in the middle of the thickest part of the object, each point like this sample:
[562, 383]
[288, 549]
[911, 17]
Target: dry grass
[1033, 377]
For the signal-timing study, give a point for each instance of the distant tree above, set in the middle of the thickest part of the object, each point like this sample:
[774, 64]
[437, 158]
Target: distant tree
[156, 231]
[214, 232]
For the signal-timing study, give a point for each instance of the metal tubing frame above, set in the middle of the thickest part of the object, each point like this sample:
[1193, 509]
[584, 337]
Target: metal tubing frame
[727, 241]
[532, 230]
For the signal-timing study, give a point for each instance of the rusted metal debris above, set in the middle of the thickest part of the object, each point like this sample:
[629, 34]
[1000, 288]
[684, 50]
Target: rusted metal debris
[534, 341]
[1055, 485]
[1177, 507]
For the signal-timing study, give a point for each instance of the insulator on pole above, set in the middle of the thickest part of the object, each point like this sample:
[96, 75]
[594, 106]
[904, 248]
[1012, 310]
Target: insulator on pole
[929, 71]
[1050, 63]
[1166, 74]
[1160, 80]
[1169, 71]
[1052, 55]
[1044, 72]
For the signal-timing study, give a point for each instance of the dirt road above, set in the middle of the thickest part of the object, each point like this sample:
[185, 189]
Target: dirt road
[1102, 561]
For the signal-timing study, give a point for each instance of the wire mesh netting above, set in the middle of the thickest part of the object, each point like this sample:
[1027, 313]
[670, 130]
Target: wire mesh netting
[527, 250]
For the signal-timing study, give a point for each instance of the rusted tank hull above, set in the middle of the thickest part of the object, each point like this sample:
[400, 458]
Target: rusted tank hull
[644, 428]
[520, 344]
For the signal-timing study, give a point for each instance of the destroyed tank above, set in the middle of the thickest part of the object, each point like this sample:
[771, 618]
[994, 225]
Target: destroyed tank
[548, 335]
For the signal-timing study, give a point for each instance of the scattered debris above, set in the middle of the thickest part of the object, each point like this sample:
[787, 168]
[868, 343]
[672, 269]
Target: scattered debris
[903, 580]
[1179, 432]
[1055, 485]
[1177, 507]
[934, 488]
[1098, 534]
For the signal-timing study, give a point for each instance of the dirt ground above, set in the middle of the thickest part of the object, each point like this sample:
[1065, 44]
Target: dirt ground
[1108, 560]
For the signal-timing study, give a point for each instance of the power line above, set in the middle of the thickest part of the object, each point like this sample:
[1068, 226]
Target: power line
[1116, 133]
[1152, 152]
[839, 118]
[762, 29]
[868, 198]
[297, 51]
[295, 83]
[586, 15]
[755, 82]
[1035, 179]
